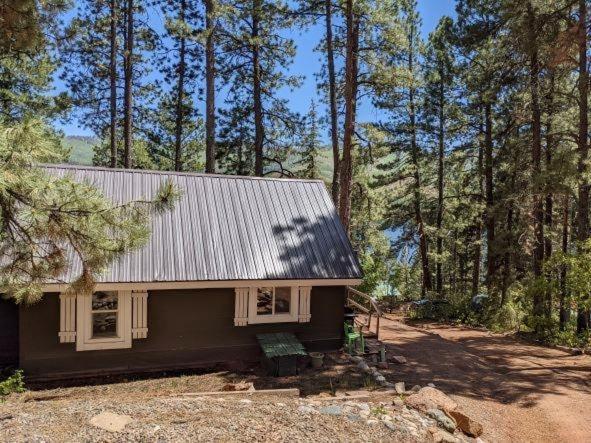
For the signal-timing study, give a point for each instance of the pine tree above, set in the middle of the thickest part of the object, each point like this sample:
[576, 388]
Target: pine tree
[310, 145]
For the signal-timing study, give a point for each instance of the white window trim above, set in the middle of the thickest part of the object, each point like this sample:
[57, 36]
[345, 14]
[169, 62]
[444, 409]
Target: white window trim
[290, 317]
[84, 340]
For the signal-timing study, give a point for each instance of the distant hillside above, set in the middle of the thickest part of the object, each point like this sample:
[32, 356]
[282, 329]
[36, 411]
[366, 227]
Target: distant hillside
[81, 154]
[81, 149]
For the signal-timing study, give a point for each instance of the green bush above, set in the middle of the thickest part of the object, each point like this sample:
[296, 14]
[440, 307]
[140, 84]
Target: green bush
[13, 384]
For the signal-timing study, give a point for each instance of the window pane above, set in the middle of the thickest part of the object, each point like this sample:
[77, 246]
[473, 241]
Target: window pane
[104, 301]
[265, 301]
[104, 325]
[282, 300]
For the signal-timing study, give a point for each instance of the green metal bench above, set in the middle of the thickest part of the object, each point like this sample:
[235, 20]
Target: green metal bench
[281, 352]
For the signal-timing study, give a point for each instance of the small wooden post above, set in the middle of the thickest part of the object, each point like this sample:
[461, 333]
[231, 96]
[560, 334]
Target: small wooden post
[378, 327]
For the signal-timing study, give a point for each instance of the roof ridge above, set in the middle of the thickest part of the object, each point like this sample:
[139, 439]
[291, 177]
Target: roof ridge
[179, 173]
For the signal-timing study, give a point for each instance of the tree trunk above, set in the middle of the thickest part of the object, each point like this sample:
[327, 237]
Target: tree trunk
[478, 227]
[491, 255]
[507, 257]
[548, 216]
[259, 130]
[128, 97]
[417, 198]
[440, 189]
[113, 84]
[583, 206]
[351, 85]
[210, 24]
[536, 152]
[564, 315]
[332, 99]
[178, 124]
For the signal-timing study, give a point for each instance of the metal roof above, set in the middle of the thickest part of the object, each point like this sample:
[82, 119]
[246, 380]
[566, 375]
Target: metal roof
[226, 228]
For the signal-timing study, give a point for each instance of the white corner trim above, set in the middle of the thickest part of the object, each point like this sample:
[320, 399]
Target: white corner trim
[154, 286]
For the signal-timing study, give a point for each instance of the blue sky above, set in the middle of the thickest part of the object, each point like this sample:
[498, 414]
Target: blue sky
[307, 63]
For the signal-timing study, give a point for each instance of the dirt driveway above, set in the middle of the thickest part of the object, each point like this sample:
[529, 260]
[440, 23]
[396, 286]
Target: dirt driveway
[519, 392]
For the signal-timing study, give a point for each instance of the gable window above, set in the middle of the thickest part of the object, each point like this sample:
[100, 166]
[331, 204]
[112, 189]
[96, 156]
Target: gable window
[104, 321]
[273, 304]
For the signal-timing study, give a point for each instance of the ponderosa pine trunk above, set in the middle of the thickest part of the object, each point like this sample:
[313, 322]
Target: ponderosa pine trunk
[259, 130]
[491, 255]
[583, 203]
[477, 253]
[178, 124]
[128, 93]
[549, 206]
[113, 83]
[332, 99]
[210, 148]
[536, 155]
[440, 185]
[417, 197]
[351, 85]
[564, 314]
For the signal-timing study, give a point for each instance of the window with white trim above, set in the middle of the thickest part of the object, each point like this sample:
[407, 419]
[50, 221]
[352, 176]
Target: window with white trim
[273, 304]
[104, 320]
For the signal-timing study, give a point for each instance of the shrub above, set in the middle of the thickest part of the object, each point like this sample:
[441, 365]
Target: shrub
[13, 384]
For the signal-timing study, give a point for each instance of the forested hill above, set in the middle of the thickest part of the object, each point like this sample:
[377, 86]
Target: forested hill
[81, 153]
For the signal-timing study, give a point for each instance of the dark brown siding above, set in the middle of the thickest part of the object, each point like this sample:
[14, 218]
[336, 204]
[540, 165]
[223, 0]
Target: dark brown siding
[8, 333]
[186, 328]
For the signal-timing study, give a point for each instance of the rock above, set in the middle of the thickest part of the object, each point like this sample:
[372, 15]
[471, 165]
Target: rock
[441, 436]
[466, 424]
[383, 365]
[415, 388]
[306, 409]
[430, 398]
[110, 421]
[364, 413]
[246, 400]
[363, 366]
[391, 426]
[442, 419]
[400, 387]
[372, 422]
[356, 359]
[398, 359]
[380, 378]
[431, 385]
[354, 417]
[242, 386]
[331, 410]
[389, 385]
[398, 402]
[363, 406]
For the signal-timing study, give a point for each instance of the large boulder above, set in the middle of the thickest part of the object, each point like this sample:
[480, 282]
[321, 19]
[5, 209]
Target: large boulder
[466, 424]
[430, 398]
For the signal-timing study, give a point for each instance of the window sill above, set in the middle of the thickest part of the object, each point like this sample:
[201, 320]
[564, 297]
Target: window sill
[102, 344]
[272, 319]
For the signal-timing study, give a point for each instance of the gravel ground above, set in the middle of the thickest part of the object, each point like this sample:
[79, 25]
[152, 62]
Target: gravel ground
[177, 419]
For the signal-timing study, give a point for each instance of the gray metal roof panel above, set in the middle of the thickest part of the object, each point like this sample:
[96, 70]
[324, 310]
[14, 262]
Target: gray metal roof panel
[226, 228]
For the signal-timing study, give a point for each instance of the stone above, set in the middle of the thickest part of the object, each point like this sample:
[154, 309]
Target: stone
[306, 409]
[468, 426]
[398, 359]
[400, 387]
[383, 365]
[356, 358]
[354, 417]
[363, 406]
[431, 385]
[331, 410]
[415, 388]
[246, 400]
[242, 386]
[430, 398]
[372, 422]
[363, 366]
[441, 436]
[442, 419]
[391, 426]
[110, 421]
[365, 414]
[380, 378]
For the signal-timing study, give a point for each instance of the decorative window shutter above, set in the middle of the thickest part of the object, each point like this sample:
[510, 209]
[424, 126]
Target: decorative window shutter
[139, 322]
[241, 307]
[304, 305]
[67, 333]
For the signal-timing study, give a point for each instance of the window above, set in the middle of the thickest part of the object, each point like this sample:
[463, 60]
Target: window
[273, 304]
[103, 320]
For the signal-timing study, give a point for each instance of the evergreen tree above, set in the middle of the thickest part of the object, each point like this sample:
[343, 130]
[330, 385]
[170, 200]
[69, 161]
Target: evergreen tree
[310, 145]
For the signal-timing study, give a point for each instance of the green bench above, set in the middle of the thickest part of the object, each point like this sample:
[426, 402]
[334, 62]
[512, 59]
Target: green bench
[281, 352]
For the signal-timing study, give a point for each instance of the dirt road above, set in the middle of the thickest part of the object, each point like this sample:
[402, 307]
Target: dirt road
[519, 392]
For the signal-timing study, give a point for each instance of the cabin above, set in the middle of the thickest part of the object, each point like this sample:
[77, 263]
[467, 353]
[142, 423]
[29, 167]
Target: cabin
[236, 257]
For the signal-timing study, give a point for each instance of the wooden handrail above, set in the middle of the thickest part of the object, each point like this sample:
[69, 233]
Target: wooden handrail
[373, 306]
